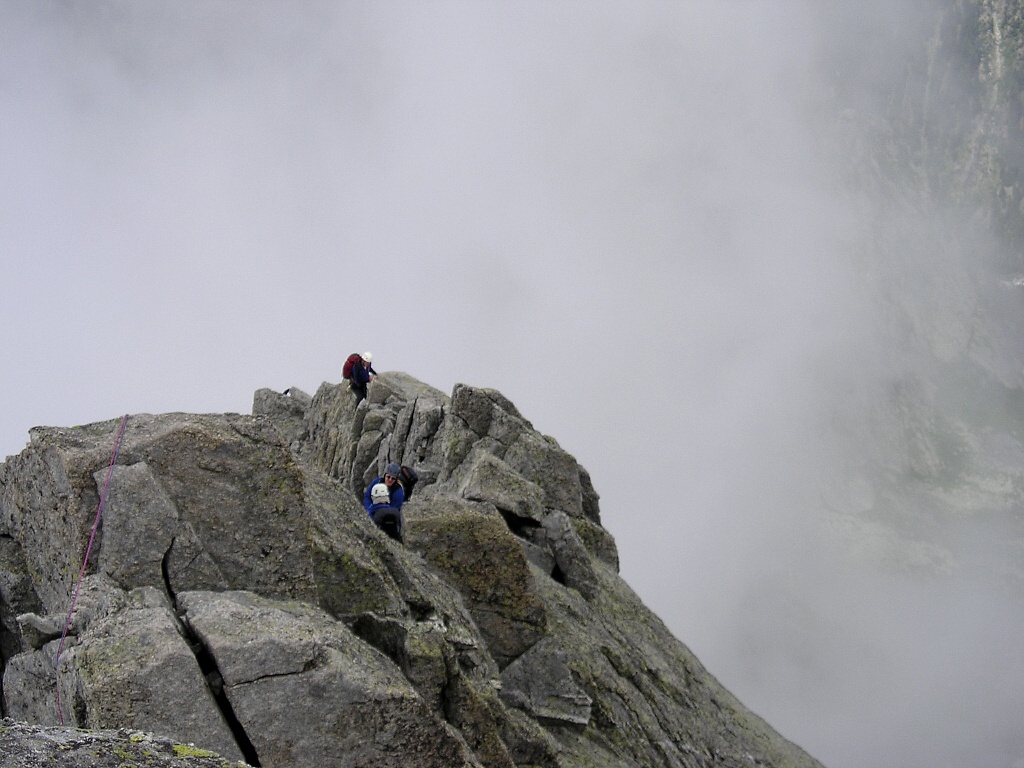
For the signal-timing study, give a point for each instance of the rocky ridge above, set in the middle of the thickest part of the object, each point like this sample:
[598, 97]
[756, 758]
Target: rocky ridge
[238, 598]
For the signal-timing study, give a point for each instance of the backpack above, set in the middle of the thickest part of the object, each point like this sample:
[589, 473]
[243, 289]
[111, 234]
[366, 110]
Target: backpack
[354, 359]
[408, 478]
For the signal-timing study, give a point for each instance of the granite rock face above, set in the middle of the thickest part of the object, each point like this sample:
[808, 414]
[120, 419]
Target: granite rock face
[238, 597]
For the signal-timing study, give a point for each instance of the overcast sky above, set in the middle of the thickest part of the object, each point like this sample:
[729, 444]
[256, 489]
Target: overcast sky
[614, 213]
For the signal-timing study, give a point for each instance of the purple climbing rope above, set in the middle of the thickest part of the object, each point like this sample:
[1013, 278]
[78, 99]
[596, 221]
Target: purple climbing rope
[85, 562]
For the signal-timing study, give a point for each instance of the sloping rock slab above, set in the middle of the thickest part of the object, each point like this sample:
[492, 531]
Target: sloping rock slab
[310, 693]
[475, 551]
[133, 669]
[540, 683]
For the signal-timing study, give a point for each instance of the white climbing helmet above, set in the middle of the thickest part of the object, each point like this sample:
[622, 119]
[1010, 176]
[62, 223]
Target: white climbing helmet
[379, 494]
[367, 357]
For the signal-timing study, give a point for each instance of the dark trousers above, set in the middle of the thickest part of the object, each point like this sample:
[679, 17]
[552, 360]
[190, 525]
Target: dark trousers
[358, 389]
[389, 520]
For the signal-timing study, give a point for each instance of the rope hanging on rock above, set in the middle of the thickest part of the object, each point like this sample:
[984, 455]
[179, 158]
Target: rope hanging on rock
[85, 562]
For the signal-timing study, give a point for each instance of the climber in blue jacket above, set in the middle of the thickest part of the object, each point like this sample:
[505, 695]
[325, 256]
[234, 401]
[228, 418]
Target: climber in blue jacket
[396, 494]
[383, 501]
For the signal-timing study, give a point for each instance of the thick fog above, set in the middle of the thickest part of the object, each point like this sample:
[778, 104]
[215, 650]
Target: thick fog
[620, 215]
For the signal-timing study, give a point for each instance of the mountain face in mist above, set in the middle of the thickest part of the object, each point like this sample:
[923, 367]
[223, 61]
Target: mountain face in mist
[239, 598]
[933, 478]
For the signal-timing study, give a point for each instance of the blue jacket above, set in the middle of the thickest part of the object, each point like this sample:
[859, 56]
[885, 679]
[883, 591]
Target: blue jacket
[395, 492]
[361, 373]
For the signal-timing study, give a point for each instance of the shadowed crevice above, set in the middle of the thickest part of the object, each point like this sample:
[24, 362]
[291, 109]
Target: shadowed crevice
[211, 674]
[166, 574]
[215, 682]
[518, 525]
[558, 575]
